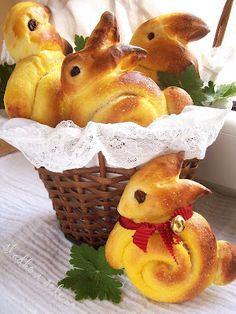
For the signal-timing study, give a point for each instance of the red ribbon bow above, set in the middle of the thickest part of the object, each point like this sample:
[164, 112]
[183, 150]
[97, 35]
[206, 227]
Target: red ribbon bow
[145, 230]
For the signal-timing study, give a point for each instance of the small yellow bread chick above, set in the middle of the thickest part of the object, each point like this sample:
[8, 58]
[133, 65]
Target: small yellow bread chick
[168, 251]
[33, 88]
[165, 38]
[99, 84]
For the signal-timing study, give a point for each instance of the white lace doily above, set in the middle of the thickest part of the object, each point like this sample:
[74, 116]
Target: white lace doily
[125, 145]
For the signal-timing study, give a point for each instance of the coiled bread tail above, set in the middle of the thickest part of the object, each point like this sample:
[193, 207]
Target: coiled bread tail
[38, 50]
[168, 251]
[99, 83]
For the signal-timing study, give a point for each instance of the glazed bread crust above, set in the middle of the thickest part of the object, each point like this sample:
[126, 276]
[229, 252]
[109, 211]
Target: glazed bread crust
[34, 89]
[106, 89]
[177, 99]
[97, 83]
[200, 259]
[226, 271]
[23, 42]
[26, 98]
[165, 38]
[129, 97]
[165, 192]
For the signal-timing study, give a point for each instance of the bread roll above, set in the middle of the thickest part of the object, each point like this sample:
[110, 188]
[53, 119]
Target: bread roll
[176, 99]
[165, 39]
[95, 84]
[99, 84]
[27, 31]
[174, 268]
[34, 87]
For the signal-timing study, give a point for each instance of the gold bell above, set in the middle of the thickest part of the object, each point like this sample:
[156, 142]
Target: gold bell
[178, 224]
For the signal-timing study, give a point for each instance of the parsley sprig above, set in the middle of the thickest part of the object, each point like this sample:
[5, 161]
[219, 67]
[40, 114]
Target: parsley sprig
[91, 276]
[80, 42]
[5, 73]
[202, 94]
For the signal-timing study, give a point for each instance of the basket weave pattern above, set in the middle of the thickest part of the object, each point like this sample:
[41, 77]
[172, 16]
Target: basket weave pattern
[86, 199]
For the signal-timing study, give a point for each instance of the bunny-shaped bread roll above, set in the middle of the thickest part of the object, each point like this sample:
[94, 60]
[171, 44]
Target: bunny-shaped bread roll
[34, 86]
[27, 31]
[165, 38]
[99, 84]
[168, 251]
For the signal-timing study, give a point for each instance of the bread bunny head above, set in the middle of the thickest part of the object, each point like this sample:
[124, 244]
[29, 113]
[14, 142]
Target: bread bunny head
[156, 191]
[27, 31]
[102, 58]
[165, 38]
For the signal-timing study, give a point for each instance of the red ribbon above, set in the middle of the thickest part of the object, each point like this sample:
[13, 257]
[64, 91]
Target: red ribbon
[144, 230]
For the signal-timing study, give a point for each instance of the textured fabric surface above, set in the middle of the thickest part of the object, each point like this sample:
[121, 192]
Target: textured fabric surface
[34, 253]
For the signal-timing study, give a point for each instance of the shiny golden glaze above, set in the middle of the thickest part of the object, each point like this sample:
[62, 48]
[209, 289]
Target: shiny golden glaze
[201, 260]
[21, 41]
[107, 89]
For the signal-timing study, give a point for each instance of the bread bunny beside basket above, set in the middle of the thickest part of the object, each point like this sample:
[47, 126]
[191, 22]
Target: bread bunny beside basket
[168, 251]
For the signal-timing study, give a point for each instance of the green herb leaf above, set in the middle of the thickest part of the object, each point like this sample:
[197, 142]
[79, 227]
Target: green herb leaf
[218, 94]
[80, 42]
[188, 80]
[226, 90]
[202, 94]
[167, 79]
[193, 85]
[210, 92]
[92, 277]
[5, 73]
[210, 88]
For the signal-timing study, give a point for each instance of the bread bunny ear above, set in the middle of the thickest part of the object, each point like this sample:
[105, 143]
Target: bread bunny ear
[47, 9]
[67, 48]
[161, 169]
[105, 34]
[121, 56]
[184, 26]
[129, 56]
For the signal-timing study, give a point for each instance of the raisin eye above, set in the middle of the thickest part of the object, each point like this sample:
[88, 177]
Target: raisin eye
[32, 25]
[151, 35]
[75, 71]
[140, 196]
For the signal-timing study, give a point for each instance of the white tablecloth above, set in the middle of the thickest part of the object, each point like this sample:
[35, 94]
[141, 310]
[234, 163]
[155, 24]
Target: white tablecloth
[34, 253]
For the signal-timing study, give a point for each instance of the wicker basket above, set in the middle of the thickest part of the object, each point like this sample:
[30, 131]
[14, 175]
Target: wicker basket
[5, 148]
[86, 199]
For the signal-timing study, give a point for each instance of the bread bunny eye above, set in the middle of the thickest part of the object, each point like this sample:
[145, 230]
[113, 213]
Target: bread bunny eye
[75, 71]
[150, 36]
[32, 25]
[140, 196]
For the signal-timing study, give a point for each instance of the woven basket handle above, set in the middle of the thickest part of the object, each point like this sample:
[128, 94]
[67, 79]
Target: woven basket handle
[222, 24]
